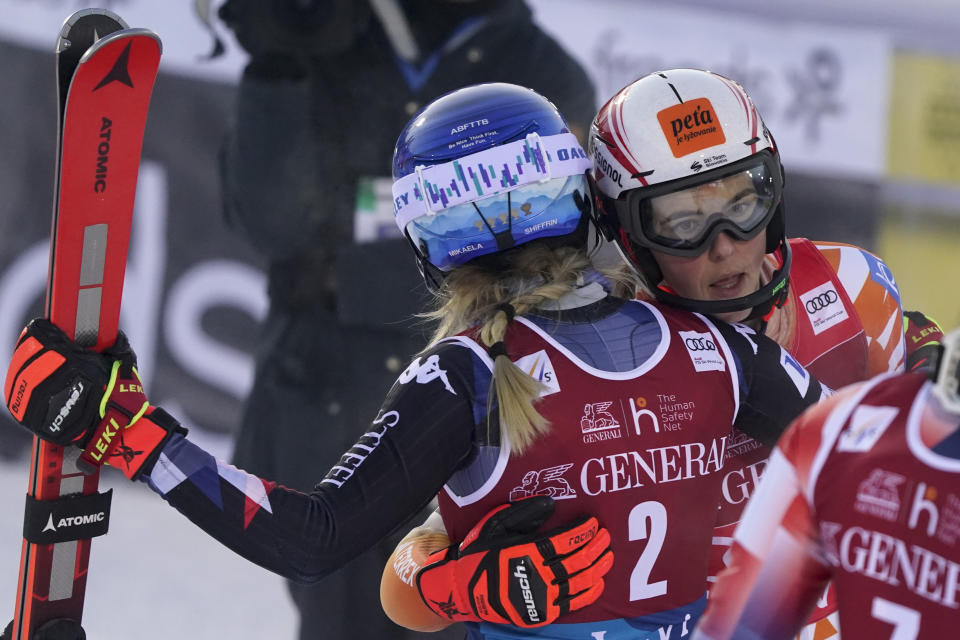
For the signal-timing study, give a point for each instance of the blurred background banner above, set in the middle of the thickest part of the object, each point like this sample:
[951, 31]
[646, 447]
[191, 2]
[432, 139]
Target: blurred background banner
[822, 89]
[925, 118]
[921, 217]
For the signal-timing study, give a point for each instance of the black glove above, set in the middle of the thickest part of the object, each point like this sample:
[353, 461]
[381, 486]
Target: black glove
[54, 386]
[69, 395]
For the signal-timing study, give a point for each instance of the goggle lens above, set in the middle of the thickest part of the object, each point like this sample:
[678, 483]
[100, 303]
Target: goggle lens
[686, 220]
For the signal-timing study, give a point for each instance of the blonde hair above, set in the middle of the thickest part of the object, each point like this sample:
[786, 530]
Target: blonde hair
[482, 294]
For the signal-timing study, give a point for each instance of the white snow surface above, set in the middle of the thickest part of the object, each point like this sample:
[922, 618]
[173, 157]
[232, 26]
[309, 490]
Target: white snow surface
[155, 576]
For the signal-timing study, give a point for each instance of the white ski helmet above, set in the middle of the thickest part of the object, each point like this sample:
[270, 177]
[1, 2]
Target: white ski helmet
[673, 130]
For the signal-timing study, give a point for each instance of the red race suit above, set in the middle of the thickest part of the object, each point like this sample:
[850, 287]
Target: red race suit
[864, 490]
[843, 323]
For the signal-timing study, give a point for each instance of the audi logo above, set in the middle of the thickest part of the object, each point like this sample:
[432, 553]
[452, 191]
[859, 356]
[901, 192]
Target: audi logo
[699, 344]
[825, 299]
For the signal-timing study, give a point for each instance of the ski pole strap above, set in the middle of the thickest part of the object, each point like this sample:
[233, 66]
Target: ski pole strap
[73, 517]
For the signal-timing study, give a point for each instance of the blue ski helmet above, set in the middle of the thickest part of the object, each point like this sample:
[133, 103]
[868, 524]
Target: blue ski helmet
[483, 169]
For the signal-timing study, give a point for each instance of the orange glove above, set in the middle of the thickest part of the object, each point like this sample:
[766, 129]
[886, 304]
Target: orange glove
[507, 573]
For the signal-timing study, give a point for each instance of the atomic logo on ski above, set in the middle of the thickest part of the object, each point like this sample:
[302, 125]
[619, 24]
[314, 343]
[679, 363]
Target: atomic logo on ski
[119, 72]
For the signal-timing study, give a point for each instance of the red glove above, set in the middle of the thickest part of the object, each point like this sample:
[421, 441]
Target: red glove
[504, 572]
[69, 395]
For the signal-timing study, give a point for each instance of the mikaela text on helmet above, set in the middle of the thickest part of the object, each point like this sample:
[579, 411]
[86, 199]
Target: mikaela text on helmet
[467, 248]
[103, 153]
[690, 126]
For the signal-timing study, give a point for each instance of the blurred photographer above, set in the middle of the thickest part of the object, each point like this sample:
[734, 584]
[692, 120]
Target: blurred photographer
[306, 179]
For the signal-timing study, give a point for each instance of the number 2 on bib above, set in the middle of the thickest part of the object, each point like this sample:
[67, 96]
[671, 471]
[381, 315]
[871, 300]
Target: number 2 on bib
[647, 520]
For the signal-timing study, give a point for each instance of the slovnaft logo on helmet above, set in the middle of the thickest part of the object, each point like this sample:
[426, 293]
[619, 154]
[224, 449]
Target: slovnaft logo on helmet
[690, 126]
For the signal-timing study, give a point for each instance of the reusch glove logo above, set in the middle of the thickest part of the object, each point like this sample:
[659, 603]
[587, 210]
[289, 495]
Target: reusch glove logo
[525, 581]
[74, 396]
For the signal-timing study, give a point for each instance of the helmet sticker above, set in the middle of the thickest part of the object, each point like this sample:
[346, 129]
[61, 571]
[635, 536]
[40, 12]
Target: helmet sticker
[690, 126]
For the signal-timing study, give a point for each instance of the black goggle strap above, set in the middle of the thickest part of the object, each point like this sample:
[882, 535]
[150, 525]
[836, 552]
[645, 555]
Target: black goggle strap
[432, 276]
[504, 239]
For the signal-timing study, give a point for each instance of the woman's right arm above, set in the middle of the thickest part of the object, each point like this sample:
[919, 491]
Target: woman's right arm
[422, 433]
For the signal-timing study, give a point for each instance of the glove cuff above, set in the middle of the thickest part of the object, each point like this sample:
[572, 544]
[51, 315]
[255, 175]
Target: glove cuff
[443, 586]
[437, 585]
[134, 449]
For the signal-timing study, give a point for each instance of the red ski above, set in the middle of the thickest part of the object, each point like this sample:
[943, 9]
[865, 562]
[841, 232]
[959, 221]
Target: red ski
[106, 74]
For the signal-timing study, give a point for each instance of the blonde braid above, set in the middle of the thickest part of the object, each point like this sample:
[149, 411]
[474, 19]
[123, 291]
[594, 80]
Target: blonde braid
[487, 296]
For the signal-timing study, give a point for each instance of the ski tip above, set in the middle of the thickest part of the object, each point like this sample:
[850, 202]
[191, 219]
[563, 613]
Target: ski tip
[76, 16]
[120, 35]
[99, 21]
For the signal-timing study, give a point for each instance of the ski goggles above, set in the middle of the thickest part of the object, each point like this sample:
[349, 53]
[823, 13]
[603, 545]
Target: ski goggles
[493, 199]
[431, 190]
[682, 217]
[499, 222]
